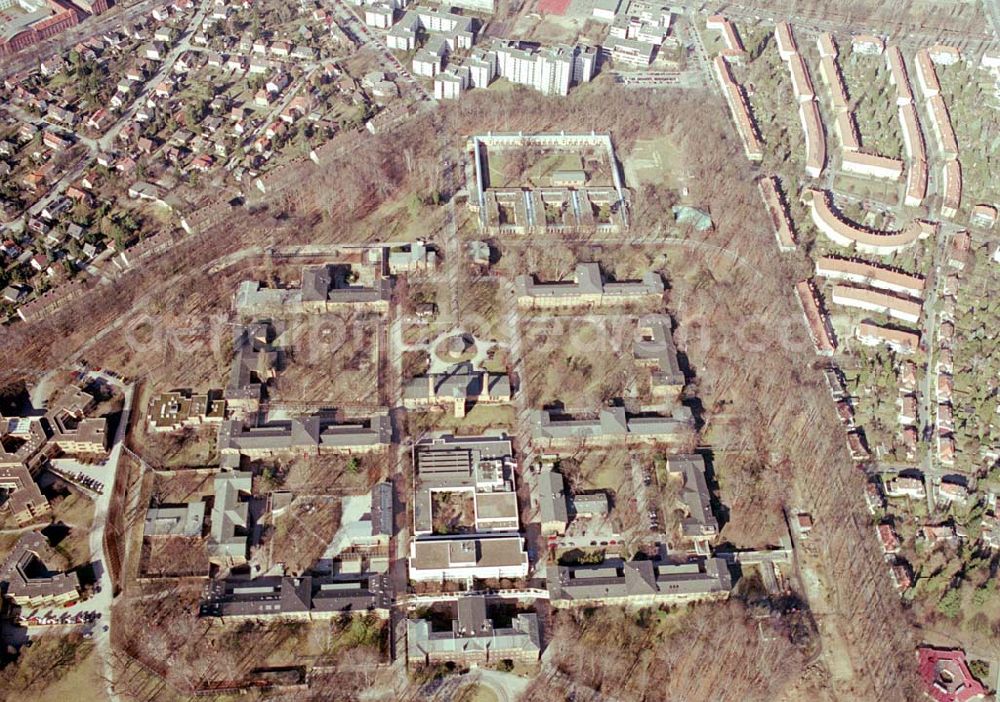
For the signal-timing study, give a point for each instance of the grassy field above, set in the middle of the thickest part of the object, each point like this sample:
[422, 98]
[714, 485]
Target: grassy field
[187, 448]
[655, 161]
[880, 190]
[52, 668]
[333, 474]
[478, 419]
[480, 309]
[183, 487]
[76, 512]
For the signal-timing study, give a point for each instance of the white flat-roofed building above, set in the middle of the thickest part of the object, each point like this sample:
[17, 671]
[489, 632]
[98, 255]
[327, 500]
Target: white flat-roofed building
[867, 44]
[486, 7]
[944, 55]
[629, 52]
[482, 67]
[379, 16]
[450, 84]
[427, 63]
[464, 558]
[549, 70]
[605, 10]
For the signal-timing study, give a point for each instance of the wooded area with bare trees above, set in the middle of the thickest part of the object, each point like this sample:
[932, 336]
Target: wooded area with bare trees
[705, 652]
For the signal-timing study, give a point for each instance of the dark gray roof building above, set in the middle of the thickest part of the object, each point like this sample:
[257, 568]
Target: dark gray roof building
[553, 512]
[638, 582]
[227, 542]
[253, 361]
[458, 383]
[330, 284]
[654, 344]
[305, 596]
[25, 578]
[700, 524]
[175, 520]
[590, 504]
[313, 434]
[610, 425]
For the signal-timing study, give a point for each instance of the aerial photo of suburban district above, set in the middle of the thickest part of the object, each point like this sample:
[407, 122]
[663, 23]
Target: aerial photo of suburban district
[499, 350]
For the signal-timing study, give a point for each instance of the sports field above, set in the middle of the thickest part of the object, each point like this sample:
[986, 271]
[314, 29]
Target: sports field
[654, 161]
[553, 7]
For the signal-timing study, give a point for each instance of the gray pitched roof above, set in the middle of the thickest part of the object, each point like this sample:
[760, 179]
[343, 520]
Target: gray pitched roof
[175, 520]
[620, 579]
[230, 514]
[654, 342]
[253, 359]
[695, 495]
[610, 421]
[303, 433]
[382, 499]
[552, 497]
[283, 595]
[460, 380]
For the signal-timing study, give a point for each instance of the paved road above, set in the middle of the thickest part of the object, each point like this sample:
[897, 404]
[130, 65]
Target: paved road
[101, 600]
[929, 333]
[638, 484]
[704, 63]
[992, 9]
[454, 257]
[513, 318]
[104, 598]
